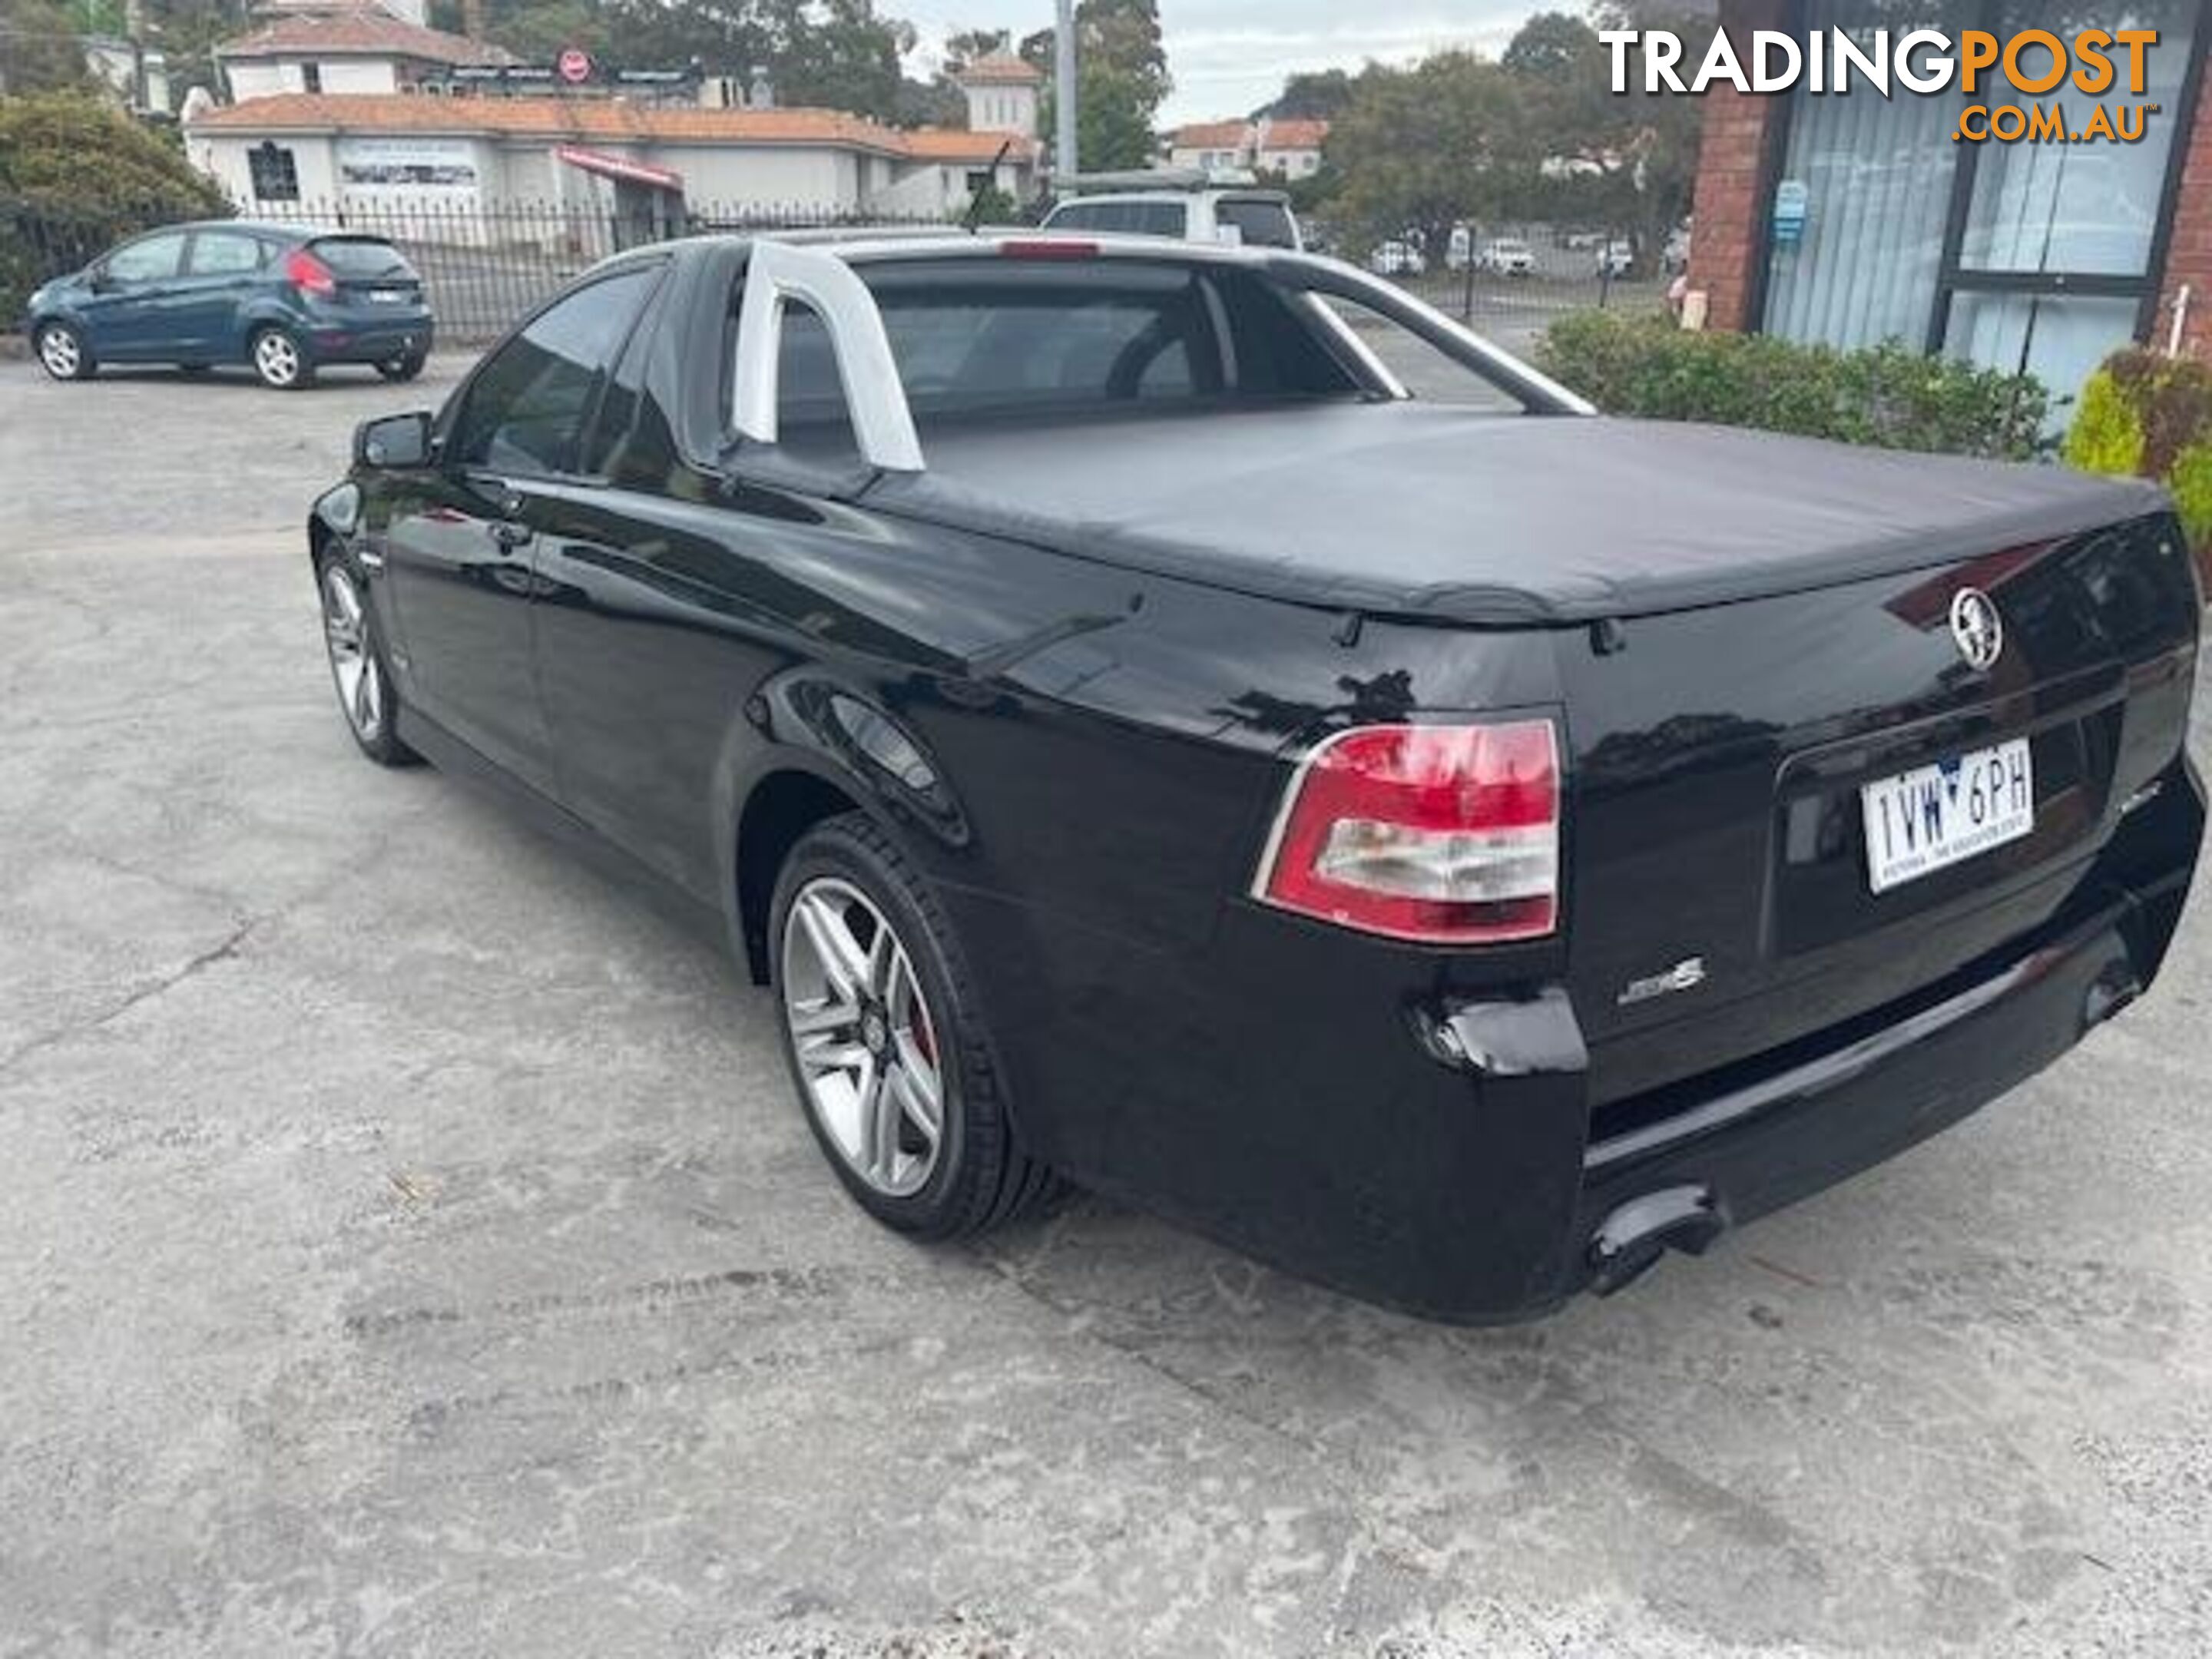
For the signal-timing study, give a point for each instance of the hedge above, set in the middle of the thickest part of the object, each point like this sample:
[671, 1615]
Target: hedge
[2145, 416]
[77, 175]
[1887, 396]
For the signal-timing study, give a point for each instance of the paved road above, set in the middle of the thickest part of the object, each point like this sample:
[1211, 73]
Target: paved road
[410, 1246]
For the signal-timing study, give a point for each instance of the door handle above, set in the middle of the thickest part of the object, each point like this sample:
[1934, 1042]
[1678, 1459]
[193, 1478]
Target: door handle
[510, 535]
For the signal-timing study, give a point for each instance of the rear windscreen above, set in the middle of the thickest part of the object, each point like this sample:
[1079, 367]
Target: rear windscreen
[976, 340]
[362, 257]
[1261, 223]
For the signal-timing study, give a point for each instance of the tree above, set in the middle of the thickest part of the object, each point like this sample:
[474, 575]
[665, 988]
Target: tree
[1628, 161]
[1113, 119]
[39, 48]
[1122, 71]
[76, 174]
[1319, 96]
[1427, 148]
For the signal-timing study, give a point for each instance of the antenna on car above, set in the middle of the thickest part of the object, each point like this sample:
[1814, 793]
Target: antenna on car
[973, 221]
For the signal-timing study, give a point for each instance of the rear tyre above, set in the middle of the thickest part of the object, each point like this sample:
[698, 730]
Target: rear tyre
[359, 668]
[63, 351]
[398, 369]
[886, 1043]
[280, 359]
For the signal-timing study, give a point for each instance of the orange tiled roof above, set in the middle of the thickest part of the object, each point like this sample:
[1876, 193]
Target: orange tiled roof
[1213, 135]
[998, 69]
[366, 31]
[603, 119]
[1292, 134]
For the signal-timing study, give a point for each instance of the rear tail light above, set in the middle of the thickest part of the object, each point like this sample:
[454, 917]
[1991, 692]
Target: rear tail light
[1445, 835]
[309, 275]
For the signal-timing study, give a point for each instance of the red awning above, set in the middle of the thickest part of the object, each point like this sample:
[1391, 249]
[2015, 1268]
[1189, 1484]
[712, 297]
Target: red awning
[618, 166]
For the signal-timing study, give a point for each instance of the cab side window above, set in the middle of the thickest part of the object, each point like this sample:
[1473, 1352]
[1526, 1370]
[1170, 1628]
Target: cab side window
[147, 261]
[526, 408]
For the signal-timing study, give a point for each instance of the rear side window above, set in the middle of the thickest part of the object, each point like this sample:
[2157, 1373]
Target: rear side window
[1261, 223]
[1123, 218]
[360, 258]
[527, 407]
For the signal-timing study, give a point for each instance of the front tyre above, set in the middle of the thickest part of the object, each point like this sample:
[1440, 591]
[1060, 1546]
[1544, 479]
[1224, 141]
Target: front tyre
[63, 352]
[886, 1044]
[280, 359]
[358, 669]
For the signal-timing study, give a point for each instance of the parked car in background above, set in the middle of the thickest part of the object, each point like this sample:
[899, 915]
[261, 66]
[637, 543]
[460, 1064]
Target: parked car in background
[1508, 256]
[1397, 258]
[1676, 257]
[1185, 205]
[1063, 672]
[1616, 259]
[283, 301]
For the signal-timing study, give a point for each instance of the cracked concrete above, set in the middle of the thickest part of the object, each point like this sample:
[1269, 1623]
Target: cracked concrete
[411, 1245]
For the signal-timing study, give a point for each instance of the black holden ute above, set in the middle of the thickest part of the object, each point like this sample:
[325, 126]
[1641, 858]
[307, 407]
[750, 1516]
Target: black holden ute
[1451, 846]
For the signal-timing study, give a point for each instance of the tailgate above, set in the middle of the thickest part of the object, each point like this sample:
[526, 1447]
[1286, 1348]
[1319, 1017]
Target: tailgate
[1723, 887]
[370, 273]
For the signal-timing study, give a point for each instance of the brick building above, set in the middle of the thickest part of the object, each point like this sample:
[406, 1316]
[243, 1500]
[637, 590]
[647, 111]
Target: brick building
[1851, 218]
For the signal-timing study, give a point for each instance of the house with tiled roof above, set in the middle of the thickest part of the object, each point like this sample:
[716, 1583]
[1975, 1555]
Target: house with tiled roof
[347, 46]
[1002, 91]
[1291, 148]
[321, 152]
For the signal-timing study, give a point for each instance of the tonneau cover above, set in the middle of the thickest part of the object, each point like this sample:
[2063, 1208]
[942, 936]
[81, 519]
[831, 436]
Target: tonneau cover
[1470, 516]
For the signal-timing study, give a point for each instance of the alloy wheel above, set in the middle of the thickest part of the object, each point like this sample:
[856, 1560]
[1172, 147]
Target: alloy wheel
[61, 354]
[276, 358]
[866, 1043]
[354, 665]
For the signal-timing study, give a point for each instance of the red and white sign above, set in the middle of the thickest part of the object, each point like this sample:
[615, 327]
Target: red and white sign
[617, 166]
[574, 66]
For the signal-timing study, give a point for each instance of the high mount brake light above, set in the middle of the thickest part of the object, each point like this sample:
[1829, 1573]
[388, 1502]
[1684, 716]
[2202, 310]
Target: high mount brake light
[1045, 247]
[309, 275]
[1442, 835]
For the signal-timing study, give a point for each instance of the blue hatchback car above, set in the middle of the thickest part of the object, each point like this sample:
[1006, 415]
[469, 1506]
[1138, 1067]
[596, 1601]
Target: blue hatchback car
[284, 300]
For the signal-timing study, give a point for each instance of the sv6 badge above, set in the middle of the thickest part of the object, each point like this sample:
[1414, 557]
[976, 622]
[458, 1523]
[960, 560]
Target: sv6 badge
[1683, 976]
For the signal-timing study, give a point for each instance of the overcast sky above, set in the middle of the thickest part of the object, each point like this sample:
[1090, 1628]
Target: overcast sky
[1229, 57]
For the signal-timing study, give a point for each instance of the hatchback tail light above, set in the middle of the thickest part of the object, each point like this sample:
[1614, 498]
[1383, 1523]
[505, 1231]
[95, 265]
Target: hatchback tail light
[309, 275]
[1445, 834]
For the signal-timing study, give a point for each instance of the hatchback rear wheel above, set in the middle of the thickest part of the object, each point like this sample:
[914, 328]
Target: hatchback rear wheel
[63, 352]
[885, 1041]
[280, 360]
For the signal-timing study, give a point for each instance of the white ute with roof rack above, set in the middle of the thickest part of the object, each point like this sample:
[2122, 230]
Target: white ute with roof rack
[1183, 203]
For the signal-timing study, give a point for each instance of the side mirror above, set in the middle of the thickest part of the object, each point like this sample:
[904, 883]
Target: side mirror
[395, 440]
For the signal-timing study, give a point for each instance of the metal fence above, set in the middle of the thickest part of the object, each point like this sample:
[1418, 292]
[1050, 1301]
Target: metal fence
[482, 266]
[1482, 278]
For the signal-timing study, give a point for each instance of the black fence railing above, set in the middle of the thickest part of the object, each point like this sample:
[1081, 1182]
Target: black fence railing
[483, 265]
[1511, 281]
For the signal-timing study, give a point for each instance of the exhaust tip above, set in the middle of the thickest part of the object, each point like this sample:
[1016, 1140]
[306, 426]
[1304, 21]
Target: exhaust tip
[1630, 1242]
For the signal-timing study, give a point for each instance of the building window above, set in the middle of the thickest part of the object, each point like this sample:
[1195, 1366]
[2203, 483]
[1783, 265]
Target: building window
[310, 76]
[2025, 256]
[274, 174]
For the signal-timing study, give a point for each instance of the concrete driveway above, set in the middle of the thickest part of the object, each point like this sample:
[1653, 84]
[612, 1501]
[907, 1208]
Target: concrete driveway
[409, 1245]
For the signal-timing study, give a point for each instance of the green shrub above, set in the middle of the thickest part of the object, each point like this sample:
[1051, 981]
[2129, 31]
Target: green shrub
[76, 175]
[1888, 396]
[2145, 416]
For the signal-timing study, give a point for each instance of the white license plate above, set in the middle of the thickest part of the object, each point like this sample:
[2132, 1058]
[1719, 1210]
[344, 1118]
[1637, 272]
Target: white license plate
[1929, 820]
[386, 296]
